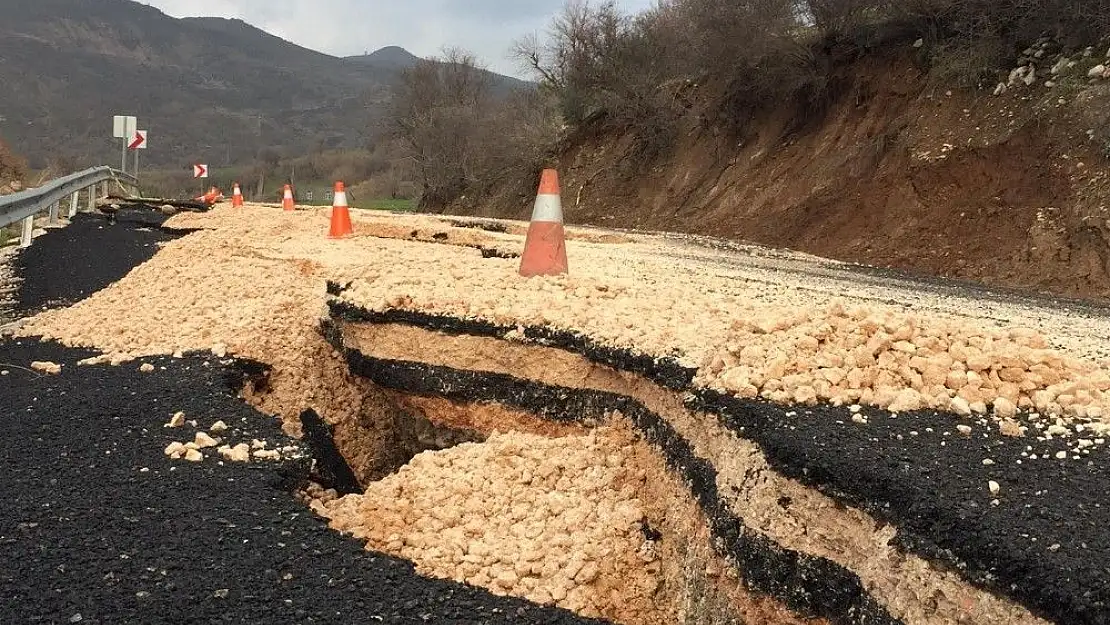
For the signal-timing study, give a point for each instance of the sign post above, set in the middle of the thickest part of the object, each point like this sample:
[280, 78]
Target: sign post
[123, 127]
[200, 171]
[138, 142]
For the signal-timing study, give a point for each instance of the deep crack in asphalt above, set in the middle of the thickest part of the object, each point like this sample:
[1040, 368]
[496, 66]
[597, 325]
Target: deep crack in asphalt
[100, 526]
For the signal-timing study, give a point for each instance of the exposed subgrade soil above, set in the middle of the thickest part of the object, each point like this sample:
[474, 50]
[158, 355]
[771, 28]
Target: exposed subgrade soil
[681, 577]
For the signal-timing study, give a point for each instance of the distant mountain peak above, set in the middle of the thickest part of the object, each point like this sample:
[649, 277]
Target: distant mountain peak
[392, 57]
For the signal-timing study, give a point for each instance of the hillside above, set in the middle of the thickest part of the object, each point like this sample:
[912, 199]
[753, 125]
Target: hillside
[397, 59]
[894, 163]
[1008, 189]
[208, 89]
[12, 170]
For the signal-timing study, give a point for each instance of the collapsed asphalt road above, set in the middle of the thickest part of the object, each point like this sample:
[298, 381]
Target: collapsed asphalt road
[98, 525]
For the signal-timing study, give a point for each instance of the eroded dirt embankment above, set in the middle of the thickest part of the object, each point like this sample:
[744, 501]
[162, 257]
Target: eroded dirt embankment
[897, 172]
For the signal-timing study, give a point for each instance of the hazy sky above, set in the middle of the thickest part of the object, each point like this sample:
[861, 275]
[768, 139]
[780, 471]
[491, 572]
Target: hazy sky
[424, 27]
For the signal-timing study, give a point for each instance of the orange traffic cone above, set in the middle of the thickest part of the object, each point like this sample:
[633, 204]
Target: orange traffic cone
[236, 195]
[287, 198]
[545, 250]
[340, 215]
[211, 197]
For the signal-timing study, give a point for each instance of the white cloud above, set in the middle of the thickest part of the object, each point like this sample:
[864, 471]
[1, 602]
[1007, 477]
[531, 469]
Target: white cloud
[424, 27]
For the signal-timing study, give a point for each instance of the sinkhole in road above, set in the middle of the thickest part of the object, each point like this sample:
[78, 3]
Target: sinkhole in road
[578, 513]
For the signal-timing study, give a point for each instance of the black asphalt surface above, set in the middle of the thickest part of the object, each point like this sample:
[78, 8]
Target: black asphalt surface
[87, 536]
[98, 525]
[68, 264]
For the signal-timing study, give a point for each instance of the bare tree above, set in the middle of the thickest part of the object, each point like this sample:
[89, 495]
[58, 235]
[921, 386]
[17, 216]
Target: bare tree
[437, 114]
[632, 72]
[1014, 22]
[576, 59]
[840, 17]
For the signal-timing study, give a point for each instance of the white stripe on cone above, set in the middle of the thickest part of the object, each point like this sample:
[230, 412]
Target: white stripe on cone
[548, 208]
[340, 199]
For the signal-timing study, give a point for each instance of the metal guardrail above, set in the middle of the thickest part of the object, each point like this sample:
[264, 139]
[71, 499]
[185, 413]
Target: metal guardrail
[24, 205]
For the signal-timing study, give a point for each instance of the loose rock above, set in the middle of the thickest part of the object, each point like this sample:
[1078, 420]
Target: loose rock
[576, 541]
[204, 441]
[239, 453]
[175, 450]
[46, 367]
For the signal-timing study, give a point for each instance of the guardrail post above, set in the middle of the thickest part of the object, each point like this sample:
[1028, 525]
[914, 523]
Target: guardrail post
[54, 213]
[73, 199]
[28, 228]
[92, 198]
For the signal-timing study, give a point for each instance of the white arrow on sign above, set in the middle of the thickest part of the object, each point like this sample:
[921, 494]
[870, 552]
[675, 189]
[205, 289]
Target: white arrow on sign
[200, 171]
[138, 142]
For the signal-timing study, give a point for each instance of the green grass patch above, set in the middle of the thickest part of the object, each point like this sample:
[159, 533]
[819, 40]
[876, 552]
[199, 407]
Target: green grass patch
[321, 195]
[9, 232]
[388, 204]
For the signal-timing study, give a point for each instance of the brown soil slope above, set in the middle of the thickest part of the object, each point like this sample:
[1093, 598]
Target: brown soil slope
[897, 172]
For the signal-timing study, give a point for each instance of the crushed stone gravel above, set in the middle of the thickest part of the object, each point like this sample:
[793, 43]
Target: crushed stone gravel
[749, 330]
[743, 336]
[568, 530]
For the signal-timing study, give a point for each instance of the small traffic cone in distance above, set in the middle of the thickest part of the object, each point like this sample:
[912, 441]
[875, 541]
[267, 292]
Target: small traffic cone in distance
[340, 214]
[287, 198]
[212, 196]
[236, 195]
[545, 250]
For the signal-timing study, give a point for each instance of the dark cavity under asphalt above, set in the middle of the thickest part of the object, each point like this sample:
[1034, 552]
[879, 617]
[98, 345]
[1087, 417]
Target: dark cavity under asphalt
[98, 525]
